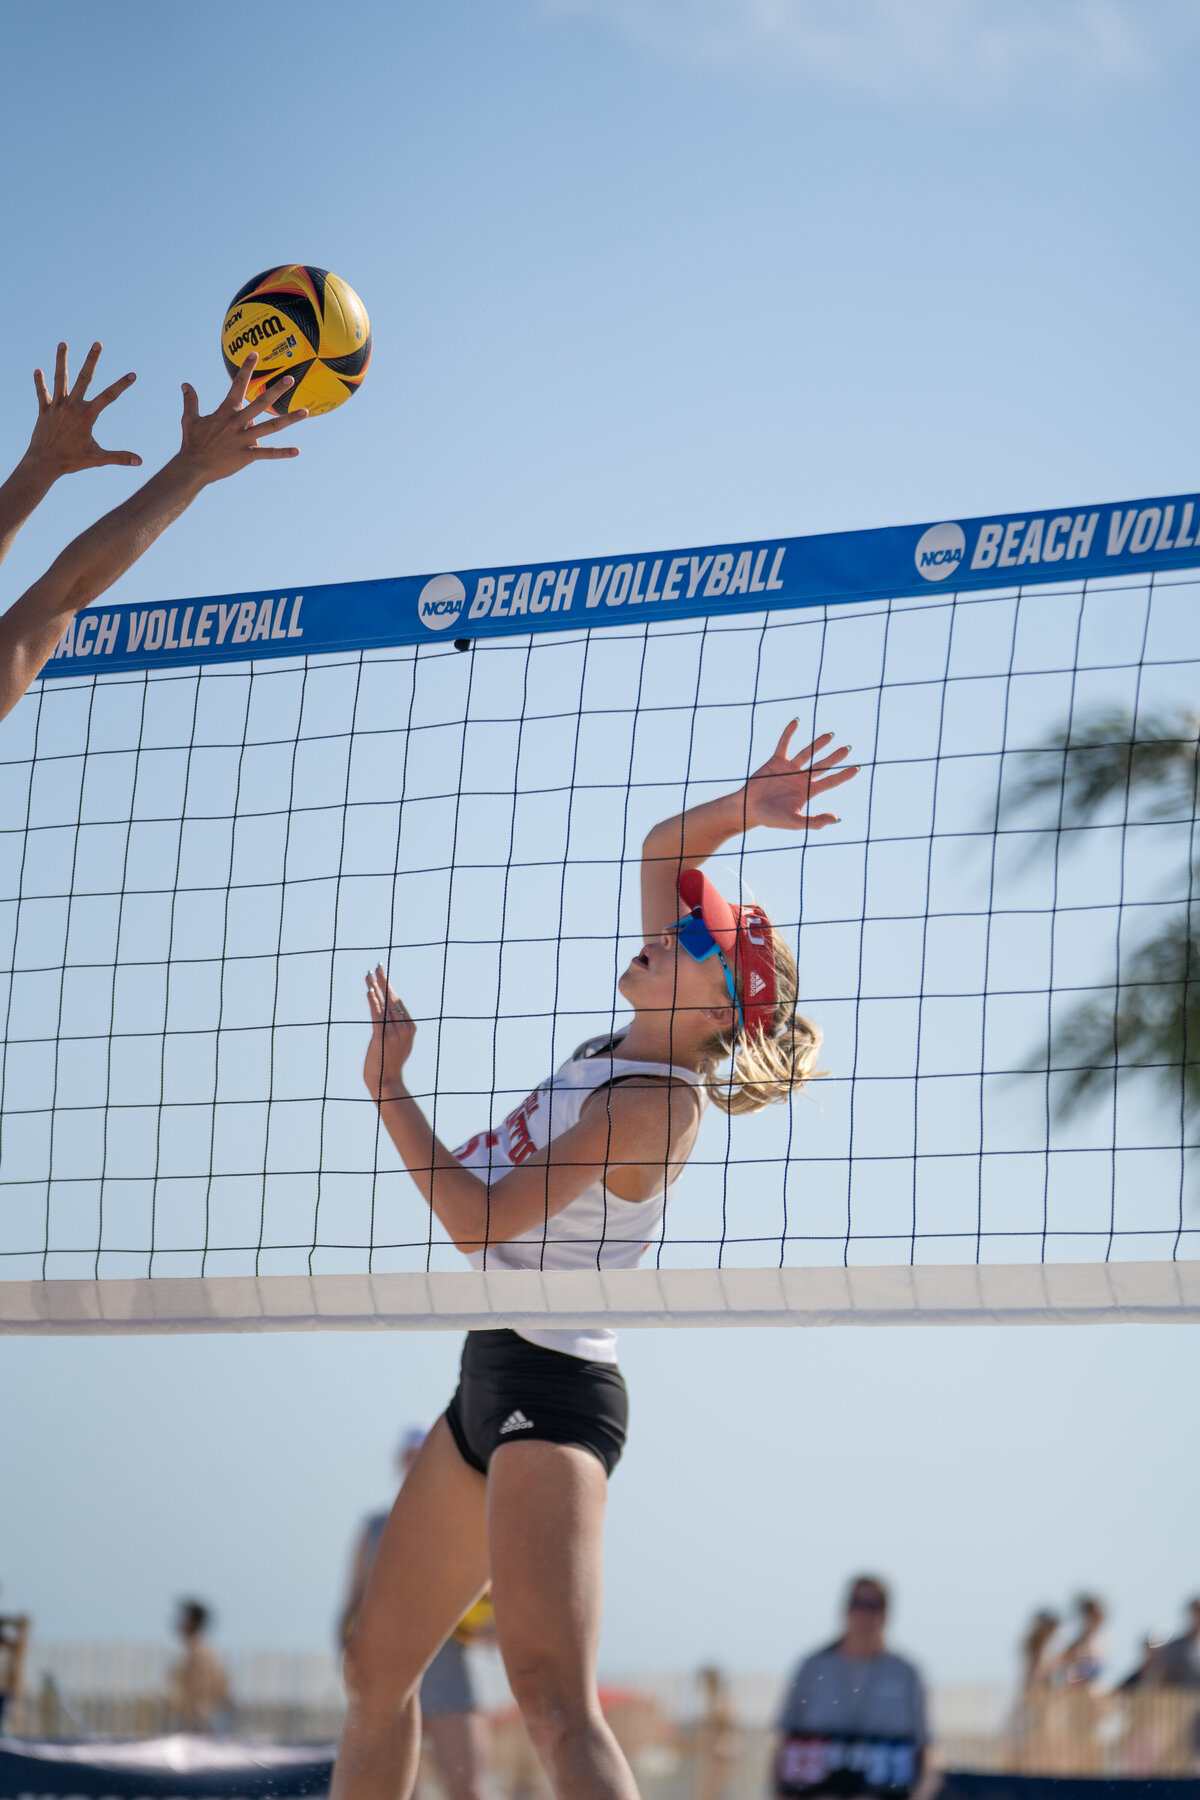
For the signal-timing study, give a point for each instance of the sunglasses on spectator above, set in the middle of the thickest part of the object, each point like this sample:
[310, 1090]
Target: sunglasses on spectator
[867, 1602]
[699, 942]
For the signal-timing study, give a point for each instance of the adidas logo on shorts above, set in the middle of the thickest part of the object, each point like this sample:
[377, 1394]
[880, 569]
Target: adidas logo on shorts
[757, 984]
[516, 1421]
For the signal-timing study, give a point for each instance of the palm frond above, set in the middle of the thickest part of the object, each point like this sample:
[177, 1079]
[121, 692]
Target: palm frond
[1152, 1021]
[1105, 755]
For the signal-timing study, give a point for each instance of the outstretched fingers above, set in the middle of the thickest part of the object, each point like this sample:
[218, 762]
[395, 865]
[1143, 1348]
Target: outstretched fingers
[824, 782]
[270, 395]
[86, 372]
[262, 427]
[235, 399]
[805, 757]
[379, 998]
[226, 440]
[62, 434]
[114, 392]
[811, 750]
[124, 459]
[785, 738]
[387, 1008]
[379, 989]
[827, 762]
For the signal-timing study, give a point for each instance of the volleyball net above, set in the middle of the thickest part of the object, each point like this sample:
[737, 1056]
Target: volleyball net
[216, 815]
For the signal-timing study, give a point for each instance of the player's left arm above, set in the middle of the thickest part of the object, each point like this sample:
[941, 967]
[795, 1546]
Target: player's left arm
[627, 1142]
[628, 1139]
[63, 441]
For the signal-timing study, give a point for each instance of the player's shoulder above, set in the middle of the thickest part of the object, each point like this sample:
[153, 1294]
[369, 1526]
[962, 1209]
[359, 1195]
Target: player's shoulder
[655, 1107]
[651, 1093]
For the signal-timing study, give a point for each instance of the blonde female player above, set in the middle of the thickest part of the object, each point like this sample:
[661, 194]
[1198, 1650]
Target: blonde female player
[511, 1481]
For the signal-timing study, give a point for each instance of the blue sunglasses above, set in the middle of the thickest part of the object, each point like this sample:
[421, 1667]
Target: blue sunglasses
[699, 942]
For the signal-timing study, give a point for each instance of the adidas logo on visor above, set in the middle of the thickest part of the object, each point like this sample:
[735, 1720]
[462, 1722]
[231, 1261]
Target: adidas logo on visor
[757, 984]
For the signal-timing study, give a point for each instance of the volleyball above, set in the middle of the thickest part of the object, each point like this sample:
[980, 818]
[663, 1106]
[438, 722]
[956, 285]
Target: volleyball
[306, 323]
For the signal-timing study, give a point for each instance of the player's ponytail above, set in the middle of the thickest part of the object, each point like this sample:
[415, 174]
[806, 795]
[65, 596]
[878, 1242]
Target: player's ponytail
[770, 1066]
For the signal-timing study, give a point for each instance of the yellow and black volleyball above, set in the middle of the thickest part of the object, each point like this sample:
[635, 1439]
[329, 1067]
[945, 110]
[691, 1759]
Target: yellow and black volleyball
[306, 323]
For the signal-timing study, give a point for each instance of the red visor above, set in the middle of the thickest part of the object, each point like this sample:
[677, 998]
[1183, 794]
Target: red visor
[744, 934]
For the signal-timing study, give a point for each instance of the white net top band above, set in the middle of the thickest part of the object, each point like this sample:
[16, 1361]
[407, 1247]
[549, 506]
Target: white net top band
[950, 1294]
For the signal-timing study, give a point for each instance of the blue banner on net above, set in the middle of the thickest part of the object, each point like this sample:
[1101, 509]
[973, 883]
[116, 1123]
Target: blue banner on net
[1129, 540]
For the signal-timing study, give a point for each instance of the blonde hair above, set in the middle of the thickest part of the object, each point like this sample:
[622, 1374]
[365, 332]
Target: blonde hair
[770, 1066]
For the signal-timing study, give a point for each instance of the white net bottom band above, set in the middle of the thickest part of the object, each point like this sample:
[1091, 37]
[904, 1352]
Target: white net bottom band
[953, 1294]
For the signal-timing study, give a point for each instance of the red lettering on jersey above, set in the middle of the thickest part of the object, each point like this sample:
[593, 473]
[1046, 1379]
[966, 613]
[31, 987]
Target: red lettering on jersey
[520, 1145]
[490, 1138]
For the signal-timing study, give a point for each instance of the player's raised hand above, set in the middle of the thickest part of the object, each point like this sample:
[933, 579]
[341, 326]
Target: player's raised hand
[781, 792]
[392, 1034]
[63, 440]
[220, 443]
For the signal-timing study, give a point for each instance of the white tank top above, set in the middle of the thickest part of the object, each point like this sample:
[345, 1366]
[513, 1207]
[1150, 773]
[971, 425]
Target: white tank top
[598, 1230]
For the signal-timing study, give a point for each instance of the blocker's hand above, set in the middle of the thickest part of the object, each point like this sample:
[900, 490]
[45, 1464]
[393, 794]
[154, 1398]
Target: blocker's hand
[780, 793]
[220, 443]
[392, 1034]
[62, 440]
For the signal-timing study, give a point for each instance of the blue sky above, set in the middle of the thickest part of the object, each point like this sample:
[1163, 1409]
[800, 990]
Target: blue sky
[640, 272]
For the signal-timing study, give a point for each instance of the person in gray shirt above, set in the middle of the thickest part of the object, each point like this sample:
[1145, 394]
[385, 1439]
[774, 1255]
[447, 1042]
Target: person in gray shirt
[1179, 1660]
[853, 1722]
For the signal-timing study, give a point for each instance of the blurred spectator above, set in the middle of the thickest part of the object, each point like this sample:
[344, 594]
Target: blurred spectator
[1037, 1664]
[854, 1721]
[1066, 1740]
[1035, 1651]
[1181, 1657]
[1031, 1719]
[1082, 1662]
[715, 1738]
[452, 1723]
[198, 1695]
[1145, 1728]
[1076, 1703]
[1149, 1671]
[1180, 1663]
[14, 1636]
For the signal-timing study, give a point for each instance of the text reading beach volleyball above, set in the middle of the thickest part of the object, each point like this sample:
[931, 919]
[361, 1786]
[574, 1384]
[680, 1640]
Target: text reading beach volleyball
[645, 580]
[198, 627]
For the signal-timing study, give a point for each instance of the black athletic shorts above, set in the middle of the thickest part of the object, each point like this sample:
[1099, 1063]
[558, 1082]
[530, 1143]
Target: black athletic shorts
[511, 1391]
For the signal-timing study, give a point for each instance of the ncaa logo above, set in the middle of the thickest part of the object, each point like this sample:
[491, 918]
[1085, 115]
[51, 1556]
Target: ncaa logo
[940, 551]
[440, 602]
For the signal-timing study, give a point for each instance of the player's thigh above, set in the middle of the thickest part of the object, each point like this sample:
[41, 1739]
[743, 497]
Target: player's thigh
[431, 1565]
[545, 1530]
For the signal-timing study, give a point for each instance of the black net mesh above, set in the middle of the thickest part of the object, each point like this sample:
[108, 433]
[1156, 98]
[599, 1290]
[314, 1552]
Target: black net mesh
[199, 866]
